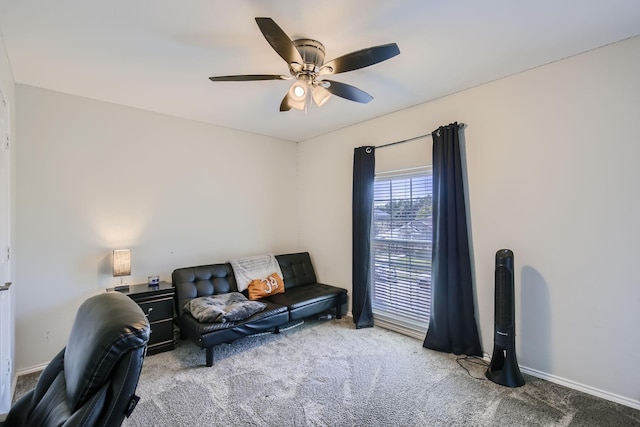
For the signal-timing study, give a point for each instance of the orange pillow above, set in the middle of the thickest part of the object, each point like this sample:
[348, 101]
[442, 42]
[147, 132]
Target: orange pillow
[260, 288]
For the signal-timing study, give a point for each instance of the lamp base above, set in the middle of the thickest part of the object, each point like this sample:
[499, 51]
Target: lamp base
[121, 288]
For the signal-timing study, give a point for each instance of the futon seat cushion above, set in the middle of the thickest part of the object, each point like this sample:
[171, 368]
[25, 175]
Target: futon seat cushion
[302, 295]
[209, 334]
[206, 327]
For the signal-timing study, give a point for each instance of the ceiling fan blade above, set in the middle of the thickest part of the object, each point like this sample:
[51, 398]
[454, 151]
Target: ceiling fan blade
[349, 92]
[279, 40]
[288, 102]
[361, 58]
[285, 105]
[248, 77]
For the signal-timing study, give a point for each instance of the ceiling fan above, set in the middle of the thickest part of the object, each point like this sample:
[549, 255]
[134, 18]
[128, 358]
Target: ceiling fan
[305, 58]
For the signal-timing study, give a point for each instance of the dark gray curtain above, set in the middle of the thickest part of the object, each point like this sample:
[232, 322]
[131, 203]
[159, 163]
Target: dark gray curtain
[363, 176]
[452, 325]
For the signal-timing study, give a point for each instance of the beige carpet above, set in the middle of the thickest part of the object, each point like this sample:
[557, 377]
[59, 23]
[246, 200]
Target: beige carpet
[327, 373]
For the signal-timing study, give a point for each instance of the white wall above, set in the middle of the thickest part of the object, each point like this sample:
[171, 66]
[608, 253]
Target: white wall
[93, 177]
[551, 157]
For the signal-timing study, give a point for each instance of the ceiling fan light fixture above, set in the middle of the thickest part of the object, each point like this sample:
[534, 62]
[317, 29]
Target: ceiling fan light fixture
[320, 95]
[298, 95]
[298, 91]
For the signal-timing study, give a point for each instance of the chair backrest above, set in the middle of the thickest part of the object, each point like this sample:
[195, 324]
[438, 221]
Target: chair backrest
[92, 381]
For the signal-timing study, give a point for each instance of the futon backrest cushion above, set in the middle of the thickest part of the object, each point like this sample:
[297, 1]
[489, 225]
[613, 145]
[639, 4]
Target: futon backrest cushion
[296, 269]
[202, 281]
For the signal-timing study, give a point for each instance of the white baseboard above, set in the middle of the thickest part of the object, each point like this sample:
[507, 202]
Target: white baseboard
[635, 404]
[31, 370]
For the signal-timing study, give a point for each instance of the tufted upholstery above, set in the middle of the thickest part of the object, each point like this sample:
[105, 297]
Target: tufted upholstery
[92, 381]
[303, 297]
[203, 280]
[297, 269]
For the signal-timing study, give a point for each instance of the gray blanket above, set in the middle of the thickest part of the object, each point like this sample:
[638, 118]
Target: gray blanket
[230, 307]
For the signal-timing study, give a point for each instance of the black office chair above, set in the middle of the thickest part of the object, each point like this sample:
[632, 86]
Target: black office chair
[92, 381]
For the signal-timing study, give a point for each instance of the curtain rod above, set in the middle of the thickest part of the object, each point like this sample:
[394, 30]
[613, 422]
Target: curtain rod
[460, 126]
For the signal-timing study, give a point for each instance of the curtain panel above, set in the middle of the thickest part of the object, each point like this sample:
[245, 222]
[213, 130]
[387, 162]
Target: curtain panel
[363, 180]
[452, 323]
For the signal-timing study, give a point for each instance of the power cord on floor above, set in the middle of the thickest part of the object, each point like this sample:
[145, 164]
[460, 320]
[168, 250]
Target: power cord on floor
[474, 360]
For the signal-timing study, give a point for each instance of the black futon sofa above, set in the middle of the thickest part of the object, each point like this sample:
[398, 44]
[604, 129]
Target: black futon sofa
[303, 297]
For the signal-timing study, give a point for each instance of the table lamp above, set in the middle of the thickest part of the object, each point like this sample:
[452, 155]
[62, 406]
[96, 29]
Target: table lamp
[121, 267]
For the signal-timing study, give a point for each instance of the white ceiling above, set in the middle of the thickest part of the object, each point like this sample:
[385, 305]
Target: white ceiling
[157, 55]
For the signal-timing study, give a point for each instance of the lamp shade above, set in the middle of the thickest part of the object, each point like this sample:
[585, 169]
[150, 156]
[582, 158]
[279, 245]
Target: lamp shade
[320, 95]
[121, 262]
[298, 95]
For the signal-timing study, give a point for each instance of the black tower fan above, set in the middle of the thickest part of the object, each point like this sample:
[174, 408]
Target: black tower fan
[503, 368]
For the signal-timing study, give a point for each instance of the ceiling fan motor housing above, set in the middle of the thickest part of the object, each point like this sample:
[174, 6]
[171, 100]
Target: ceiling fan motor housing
[312, 53]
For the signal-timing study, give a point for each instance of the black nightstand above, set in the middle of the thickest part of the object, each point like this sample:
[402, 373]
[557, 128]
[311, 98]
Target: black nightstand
[157, 304]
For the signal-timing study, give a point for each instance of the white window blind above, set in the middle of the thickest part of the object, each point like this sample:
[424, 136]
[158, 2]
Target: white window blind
[401, 239]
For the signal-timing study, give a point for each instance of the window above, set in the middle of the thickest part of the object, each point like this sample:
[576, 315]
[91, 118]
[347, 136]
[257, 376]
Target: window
[401, 238]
